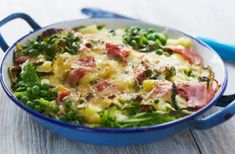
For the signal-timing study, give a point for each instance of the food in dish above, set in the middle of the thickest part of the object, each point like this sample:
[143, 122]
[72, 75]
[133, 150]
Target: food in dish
[101, 77]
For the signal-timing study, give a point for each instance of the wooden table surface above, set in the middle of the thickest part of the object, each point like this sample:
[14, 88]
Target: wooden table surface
[19, 134]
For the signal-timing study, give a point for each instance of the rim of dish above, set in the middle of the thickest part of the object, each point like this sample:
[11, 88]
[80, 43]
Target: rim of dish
[106, 129]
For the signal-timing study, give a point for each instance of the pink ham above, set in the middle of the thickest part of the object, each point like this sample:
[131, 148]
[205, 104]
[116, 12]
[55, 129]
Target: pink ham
[140, 76]
[102, 85]
[161, 89]
[188, 54]
[115, 51]
[105, 88]
[197, 94]
[87, 61]
[21, 59]
[76, 75]
[85, 65]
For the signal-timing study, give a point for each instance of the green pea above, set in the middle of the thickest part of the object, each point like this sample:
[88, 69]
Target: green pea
[148, 72]
[35, 90]
[74, 45]
[55, 108]
[142, 40]
[150, 30]
[152, 36]
[36, 45]
[126, 38]
[99, 27]
[135, 30]
[45, 86]
[43, 44]
[162, 38]
[30, 104]
[43, 93]
[156, 101]
[133, 43]
[24, 98]
[159, 51]
[29, 91]
[76, 39]
[81, 101]
[53, 94]
[62, 118]
[32, 52]
[68, 103]
[71, 115]
[158, 43]
[50, 48]
[38, 108]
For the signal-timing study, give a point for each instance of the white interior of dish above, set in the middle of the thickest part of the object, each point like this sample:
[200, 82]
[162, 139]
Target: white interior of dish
[209, 56]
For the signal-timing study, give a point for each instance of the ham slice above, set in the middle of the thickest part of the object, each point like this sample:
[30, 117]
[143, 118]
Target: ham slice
[115, 51]
[50, 32]
[197, 94]
[102, 85]
[76, 75]
[161, 89]
[87, 61]
[85, 65]
[140, 76]
[188, 54]
[105, 88]
[21, 59]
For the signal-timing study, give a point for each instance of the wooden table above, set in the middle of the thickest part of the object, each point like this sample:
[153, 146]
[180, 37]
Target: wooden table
[214, 19]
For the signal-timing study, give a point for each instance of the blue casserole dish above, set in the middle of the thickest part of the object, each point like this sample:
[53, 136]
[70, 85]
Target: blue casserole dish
[124, 136]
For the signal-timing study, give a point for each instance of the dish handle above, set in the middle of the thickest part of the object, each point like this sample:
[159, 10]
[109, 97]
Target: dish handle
[225, 50]
[218, 117]
[25, 17]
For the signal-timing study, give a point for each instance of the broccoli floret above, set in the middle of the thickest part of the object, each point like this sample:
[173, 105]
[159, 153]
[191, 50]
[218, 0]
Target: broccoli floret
[29, 75]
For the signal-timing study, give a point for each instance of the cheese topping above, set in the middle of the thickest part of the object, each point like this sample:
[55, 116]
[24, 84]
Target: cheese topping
[101, 77]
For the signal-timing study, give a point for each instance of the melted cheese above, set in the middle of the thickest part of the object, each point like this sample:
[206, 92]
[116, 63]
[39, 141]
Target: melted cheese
[121, 76]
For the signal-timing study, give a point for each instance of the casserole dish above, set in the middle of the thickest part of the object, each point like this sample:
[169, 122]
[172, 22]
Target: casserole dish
[123, 136]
